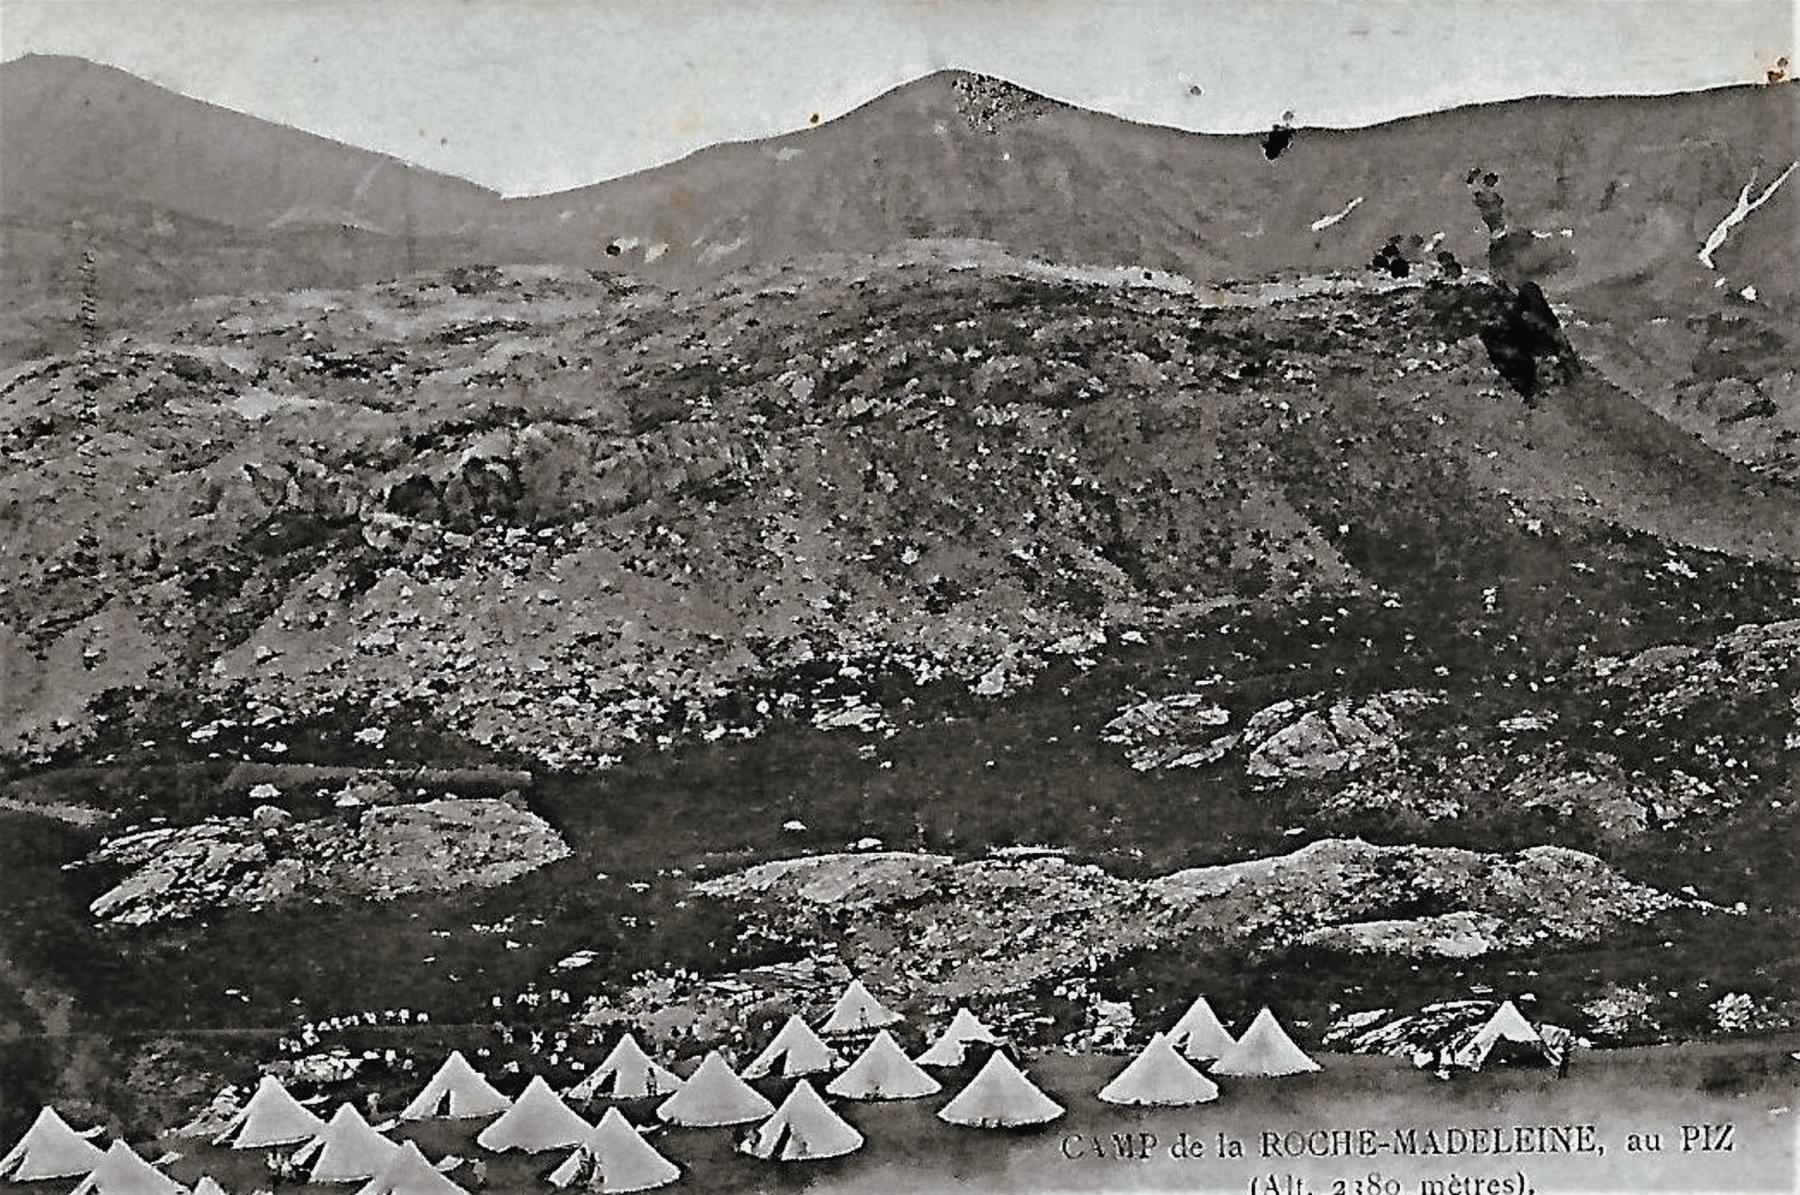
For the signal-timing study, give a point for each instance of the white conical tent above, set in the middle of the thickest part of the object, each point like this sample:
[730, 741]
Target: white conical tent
[952, 1046]
[1265, 1049]
[999, 1097]
[1199, 1034]
[208, 1185]
[858, 1011]
[408, 1173]
[347, 1150]
[458, 1091]
[714, 1095]
[122, 1172]
[615, 1157]
[1507, 1024]
[538, 1120]
[49, 1149]
[803, 1129]
[793, 1052]
[883, 1072]
[272, 1116]
[626, 1073]
[1160, 1078]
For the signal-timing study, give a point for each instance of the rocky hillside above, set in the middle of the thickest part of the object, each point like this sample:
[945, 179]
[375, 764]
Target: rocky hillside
[557, 517]
[995, 575]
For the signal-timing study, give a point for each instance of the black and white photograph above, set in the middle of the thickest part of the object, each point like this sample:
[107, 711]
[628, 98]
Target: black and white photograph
[899, 597]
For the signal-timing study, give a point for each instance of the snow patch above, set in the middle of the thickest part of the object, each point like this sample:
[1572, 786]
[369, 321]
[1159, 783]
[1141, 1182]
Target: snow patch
[1324, 222]
[716, 251]
[1740, 213]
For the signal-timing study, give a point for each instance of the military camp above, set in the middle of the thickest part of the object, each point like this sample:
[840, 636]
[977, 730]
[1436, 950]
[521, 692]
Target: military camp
[791, 597]
[651, 1113]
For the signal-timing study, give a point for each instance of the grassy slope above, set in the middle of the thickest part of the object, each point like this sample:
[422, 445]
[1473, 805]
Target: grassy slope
[1640, 180]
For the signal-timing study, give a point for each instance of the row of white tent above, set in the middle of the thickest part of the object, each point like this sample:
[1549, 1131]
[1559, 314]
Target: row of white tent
[612, 1155]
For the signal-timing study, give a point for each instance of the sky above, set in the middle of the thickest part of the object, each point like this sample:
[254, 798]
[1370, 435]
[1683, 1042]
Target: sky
[530, 96]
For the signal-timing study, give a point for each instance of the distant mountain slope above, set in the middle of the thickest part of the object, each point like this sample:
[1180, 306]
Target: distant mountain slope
[1638, 182]
[1606, 202]
[77, 137]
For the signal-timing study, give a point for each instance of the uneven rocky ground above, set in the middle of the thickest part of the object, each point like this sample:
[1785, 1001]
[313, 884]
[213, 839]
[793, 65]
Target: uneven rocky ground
[558, 517]
[1616, 750]
[1263, 638]
[936, 933]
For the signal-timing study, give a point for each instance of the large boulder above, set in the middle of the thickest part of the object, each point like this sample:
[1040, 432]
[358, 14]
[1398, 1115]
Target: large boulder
[449, 844]
[1290, 741]
[1184, 730]
[178, 872]
[1296, 738]
[1743, 669]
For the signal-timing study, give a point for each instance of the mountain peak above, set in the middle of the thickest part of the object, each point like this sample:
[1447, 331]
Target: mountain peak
[986, 101]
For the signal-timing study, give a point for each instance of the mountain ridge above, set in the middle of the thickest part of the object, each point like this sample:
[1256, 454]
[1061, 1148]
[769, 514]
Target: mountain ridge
[1619, 212]
[38, 59]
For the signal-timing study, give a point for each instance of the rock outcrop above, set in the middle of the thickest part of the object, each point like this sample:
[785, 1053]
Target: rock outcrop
[1510, 900]
[1301, 738]
[268, 859]
[940, 930]
[1180, 731]
[930, 925]
[1745, 670]
[1288, 740]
